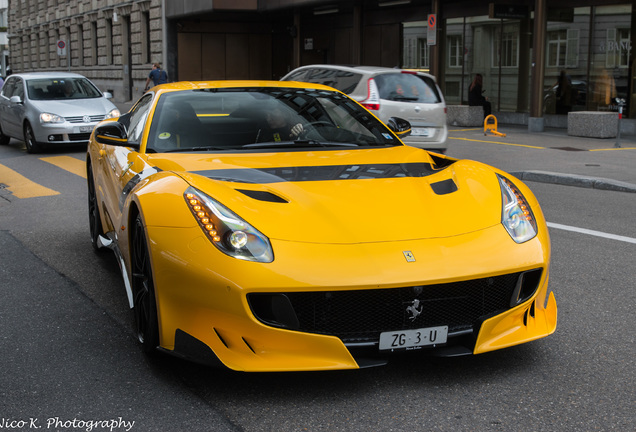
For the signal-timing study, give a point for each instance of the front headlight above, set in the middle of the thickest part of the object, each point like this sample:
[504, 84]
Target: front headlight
[51, 118]
[226, 230]
[516, 215]
[114, 113]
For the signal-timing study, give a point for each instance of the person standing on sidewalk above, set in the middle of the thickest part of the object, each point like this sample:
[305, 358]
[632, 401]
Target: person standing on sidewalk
[157, 75]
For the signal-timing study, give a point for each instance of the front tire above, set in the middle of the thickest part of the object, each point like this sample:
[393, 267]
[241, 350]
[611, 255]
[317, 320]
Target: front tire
[94, 220]
[144, 302]
[29, 139]
[4, 140]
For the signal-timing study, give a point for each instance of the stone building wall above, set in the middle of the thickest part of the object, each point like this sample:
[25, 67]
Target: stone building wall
[97, 40]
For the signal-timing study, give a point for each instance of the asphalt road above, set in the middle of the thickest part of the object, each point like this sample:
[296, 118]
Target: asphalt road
[69, 359]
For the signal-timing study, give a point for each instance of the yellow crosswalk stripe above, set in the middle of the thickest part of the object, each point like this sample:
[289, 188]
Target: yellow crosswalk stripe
[68, 163]
[22, 187]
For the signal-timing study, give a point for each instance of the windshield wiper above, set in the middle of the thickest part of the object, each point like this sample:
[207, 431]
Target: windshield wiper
[299, 143]
[404, 98]
[185, 149]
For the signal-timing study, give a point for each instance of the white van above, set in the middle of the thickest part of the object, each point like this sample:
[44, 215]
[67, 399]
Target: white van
[387, 93]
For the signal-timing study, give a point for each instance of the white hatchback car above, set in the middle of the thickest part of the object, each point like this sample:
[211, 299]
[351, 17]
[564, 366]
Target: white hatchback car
[51, 109]
[386, 92]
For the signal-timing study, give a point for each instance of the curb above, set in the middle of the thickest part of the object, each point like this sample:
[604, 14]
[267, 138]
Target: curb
[575, 180]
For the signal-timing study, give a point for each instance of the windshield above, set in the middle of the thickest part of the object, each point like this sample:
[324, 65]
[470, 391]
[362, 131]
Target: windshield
[260, 118]
[61, 88]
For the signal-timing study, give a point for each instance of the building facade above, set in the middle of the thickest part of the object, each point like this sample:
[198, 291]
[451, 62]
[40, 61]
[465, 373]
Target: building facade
[520, 47]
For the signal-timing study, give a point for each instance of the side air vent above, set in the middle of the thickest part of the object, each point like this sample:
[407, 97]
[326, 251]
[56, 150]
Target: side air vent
[527, 285]
[444, 187]
[263, 196]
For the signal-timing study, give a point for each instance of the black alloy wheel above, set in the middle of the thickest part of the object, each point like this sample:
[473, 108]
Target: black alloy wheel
[145, 306]
[29, 139]
[94, 220]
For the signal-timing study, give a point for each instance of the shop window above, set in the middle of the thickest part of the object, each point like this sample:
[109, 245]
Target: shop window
[506, 46]
[617, 47]
[455, 51]
[563, 48]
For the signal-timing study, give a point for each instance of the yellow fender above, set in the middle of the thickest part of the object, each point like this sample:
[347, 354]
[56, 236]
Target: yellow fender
[492, 127]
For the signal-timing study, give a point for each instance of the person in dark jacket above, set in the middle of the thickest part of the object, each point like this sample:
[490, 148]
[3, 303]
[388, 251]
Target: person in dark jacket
[157, 76]
[476, 97]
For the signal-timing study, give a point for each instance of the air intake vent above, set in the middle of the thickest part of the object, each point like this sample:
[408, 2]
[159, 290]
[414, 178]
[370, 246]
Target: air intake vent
[444, 187]
[263, 196]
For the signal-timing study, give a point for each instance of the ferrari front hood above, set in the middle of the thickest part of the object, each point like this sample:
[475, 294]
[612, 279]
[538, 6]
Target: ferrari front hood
[347, 197]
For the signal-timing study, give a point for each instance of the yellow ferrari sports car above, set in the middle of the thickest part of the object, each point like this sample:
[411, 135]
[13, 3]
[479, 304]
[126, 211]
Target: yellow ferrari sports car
[279, 226]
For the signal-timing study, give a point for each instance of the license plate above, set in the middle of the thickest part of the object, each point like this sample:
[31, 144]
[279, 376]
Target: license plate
[423, 132]
[86, 128]
[412, 339]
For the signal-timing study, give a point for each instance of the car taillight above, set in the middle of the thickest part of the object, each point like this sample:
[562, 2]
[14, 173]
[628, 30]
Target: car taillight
[372, 102]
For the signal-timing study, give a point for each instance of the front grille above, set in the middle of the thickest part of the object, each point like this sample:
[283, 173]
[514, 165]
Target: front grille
[361, 315]
[80, 119]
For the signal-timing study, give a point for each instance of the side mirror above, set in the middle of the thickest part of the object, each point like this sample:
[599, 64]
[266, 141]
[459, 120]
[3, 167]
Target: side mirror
[16, 100]
[108, 95]
[112, 133]
[401, 127]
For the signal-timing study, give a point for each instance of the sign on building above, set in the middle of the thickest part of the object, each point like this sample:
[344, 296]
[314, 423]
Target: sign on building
[61, 47]
[431, 36]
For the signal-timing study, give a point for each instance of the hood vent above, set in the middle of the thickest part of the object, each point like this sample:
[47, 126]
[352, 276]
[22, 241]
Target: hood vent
[263, 196]
[444, 187]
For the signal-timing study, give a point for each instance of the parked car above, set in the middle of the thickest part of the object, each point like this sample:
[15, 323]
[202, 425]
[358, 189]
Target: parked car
[271, 226]
[48, 109]
[386, 92]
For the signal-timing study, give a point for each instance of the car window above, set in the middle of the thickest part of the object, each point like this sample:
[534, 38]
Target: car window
[18, 90]
[8, 87]
[138, 117]
[298, 75]
[344, 81]
[407, 87]
[246, 118]
[61, 88]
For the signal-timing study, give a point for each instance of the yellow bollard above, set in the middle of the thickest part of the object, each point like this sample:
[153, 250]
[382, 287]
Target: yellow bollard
[493, 129]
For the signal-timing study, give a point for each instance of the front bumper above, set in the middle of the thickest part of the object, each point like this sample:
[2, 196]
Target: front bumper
[63, 133]
[204, 312]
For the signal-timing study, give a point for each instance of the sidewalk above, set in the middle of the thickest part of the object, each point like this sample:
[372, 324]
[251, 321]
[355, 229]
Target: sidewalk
[551, 156]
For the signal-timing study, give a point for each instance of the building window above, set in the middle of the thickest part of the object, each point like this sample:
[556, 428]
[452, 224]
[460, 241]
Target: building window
[410, 53]
[506, 48]
[69, 49]
[416, 53]
[80, 44]
[563, 48]
[45, 50]
[617, 47]
[455, 51]
[422, 53]
[145, 37]
[108, 39]
[93, 37]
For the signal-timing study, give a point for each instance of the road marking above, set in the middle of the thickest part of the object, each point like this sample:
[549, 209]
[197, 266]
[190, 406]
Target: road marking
[68, 163]
[592, 232]
[614, 149]
[500, 143]
[22, 187]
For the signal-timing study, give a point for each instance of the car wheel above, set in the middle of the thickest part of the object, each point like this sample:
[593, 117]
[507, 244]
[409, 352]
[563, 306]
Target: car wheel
[29, 139]
[4, 140]
[144, 303]
[94, 220]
